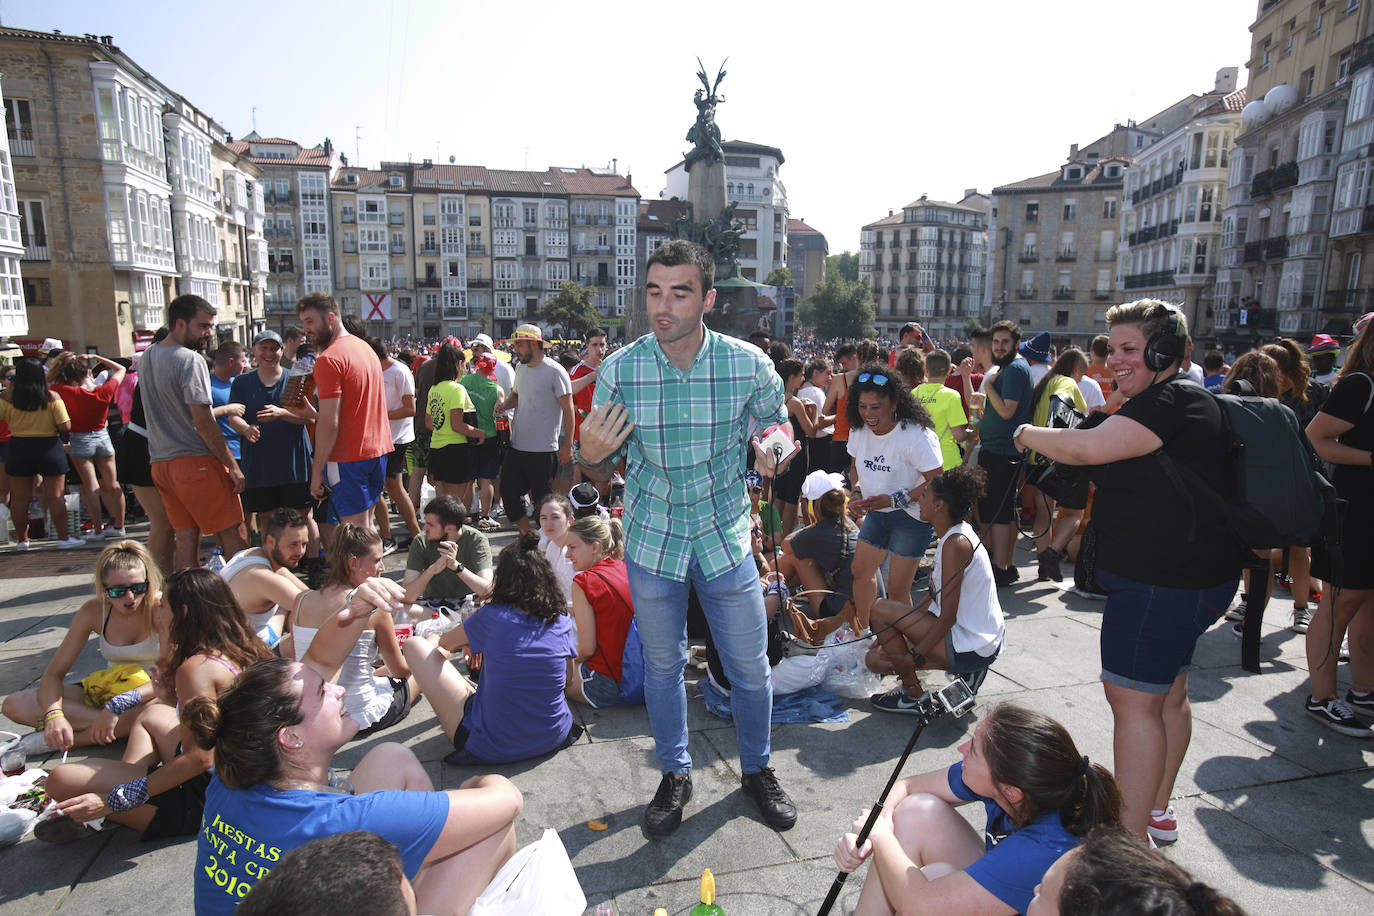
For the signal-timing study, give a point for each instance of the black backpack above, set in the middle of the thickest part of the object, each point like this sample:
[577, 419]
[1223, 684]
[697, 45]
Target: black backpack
[1279, 496]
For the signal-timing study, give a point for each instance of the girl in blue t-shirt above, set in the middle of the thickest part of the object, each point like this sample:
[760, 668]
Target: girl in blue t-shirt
[525, 638]
[1041, 798]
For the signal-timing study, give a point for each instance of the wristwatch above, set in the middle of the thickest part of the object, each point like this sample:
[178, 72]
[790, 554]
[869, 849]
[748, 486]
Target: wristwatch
[458, 568]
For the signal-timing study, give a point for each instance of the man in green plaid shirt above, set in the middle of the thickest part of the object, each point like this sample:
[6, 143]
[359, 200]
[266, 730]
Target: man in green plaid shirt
[679, 405]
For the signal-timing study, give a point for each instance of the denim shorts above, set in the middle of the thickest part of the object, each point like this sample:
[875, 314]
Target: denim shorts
[92, 445]
[1149, 631]
[896, 530]
[600, 690]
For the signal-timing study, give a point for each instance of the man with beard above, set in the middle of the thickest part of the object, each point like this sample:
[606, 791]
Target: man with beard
[1008, 406]
[262, 578]
[541, 431]
[197, 478]
[350, 457]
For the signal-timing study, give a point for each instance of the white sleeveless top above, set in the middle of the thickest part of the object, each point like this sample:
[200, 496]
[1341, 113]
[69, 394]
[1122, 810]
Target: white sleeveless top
[142, 653]
[979, 627]
[366, 697]
[261, 622]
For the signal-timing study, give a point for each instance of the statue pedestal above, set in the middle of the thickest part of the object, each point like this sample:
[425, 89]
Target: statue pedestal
[706, 190]
[737, 310]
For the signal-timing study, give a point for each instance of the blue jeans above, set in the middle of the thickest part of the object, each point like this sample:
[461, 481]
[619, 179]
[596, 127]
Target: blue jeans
[733, 604]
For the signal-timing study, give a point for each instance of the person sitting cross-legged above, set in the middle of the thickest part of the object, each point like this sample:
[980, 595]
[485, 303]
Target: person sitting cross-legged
[959, 627]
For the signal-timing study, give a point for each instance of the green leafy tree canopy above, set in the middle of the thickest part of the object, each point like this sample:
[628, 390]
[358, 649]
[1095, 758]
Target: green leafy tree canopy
[572, 310]
[845, 265]
[840, 308]
[780, 276]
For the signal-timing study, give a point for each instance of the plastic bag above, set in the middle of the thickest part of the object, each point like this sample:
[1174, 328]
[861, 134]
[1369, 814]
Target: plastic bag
[537, 881]
[19, 797]
[845, 673]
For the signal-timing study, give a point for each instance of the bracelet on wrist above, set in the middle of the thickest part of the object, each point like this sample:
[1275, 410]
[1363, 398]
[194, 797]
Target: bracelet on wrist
[348, 599]
[900, 499]
[129, 795]
[53, 714]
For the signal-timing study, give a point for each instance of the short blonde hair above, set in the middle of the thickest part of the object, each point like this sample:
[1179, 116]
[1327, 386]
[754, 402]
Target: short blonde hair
[1151, 314]
[129, 555]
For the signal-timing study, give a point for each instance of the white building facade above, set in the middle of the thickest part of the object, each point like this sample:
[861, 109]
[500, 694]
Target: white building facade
[14, 319]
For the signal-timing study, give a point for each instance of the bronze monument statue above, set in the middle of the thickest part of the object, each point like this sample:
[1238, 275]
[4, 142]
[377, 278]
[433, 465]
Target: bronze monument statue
[704, 133]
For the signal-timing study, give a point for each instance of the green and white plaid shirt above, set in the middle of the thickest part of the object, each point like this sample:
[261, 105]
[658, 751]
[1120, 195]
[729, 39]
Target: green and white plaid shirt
[685, 458]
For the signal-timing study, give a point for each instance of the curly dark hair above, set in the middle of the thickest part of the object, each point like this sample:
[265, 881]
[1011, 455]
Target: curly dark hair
[525, 580]
[959, 488]
[893, 388]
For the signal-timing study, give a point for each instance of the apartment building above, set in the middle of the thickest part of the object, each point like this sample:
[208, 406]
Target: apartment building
[806, 253]
[927, 264]
[752, 183]
[1171, 211]
[368, 207]
[239, 218]
[1350, 262]
[14, 320]
[1283, 170]
[293, 255]
[604, 208]
[655, 228]
[451, 241]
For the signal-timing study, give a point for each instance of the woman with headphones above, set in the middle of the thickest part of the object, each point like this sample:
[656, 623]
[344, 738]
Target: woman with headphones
[1169, 571]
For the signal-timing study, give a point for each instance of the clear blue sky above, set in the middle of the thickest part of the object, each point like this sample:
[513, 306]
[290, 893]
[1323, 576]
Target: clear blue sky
[872, 103]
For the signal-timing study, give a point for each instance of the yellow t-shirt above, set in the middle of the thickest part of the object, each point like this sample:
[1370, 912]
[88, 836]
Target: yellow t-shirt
[946, 410]
[445, 397]
[34, 424]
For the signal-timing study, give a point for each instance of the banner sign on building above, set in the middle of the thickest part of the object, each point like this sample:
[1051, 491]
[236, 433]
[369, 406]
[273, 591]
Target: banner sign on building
[376, 306]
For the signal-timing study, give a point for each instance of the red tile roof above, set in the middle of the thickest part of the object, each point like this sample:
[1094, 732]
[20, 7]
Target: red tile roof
[795, 225]
[314, 157]
[585, 181]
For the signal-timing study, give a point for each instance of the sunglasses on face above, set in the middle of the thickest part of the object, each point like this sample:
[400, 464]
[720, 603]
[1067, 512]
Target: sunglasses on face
[117, 591]
[756, 489]
[877, 377]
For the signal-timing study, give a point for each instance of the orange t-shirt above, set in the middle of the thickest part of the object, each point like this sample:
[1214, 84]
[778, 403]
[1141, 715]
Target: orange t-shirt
[1103, 376]
[349, 370]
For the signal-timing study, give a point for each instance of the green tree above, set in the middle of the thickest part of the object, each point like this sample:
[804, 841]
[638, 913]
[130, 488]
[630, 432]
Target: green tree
[970, 326]
[572, 310]
[780, 276]
[840, 308]
[845, 264]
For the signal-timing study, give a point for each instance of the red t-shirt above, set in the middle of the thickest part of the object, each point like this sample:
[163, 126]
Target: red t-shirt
[582, 400]
[88, 408]
[349, 370]
[956, 381]
[607, 587]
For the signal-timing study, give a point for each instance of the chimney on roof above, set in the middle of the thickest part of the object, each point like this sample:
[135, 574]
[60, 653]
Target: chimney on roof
[429, 163]
[107, 40]
[1226, 79]
[1073, 151]
[328, 146]
[615, 166]
[969, 192]
[889, 211]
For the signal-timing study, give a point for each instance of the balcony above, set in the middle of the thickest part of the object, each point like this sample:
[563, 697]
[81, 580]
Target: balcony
[1151, 280]
[1271, 180]
[1063, 292]
[397, 219]
[532, 283]
[279, 197]
[350, 247]
[1066, 254]
[1345, 301]
[21, 141]
[1102, 294]
[1265, 249]
[1105, 255]
[429, 249]
[398, 247]
[1026, 292]
[1029, 254]
[478, 283]
[229, 269]
[350, 283]
[1158, 186]
[1256, 319]
[348, 216]
[36, 249]
[477, 251]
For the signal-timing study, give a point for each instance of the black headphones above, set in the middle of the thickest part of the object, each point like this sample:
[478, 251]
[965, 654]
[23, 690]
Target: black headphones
[1165, 347]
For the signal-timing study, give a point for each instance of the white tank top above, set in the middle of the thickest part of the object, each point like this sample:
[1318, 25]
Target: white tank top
[143, 653]
[366, 697]
[979, 627]
[261, 621]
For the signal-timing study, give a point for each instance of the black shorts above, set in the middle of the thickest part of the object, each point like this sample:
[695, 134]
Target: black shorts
[131, 460]
[452, 464]
[178, 809]
[788, 487]
[840, 459]
[396, 461]
[30, 455]
[488, 463]
[998, 505]
[526, 473]
[281, 496]
[399, 709]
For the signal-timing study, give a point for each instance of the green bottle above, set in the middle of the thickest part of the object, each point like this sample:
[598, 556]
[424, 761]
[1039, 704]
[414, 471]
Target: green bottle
[707, 906]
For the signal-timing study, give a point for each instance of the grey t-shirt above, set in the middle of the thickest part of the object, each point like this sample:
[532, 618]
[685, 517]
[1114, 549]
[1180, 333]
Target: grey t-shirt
[171, 377]
[538, 413]
[474, 552]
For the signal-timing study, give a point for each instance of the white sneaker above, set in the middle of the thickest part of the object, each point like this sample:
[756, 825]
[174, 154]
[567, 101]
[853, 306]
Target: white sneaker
[32, 743]
[114, 533]
[22, 545]
[70, 543]
[94, 536]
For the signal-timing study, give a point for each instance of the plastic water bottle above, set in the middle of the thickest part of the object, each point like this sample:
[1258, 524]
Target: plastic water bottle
[467, 608]
[439, 623]
[216, 561]
[605, 909]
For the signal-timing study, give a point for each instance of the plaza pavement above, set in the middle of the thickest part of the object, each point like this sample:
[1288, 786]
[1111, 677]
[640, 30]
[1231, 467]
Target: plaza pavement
[1273, 809]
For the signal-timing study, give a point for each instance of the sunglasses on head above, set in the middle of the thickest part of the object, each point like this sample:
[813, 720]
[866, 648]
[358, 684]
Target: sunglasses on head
[117, 591]
[877, 377]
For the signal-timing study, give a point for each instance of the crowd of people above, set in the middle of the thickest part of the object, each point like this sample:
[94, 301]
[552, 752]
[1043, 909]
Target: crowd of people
[912, 473]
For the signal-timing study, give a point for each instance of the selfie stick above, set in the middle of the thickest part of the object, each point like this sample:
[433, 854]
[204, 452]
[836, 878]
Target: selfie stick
[930, 711]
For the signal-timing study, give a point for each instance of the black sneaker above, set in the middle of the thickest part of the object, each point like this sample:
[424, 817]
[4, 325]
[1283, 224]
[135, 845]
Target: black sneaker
[388, 547]
[897, 700]
[664, 814]
[974, 679]
[1362, 704]
[774, 804]
[1004, 577]
[1337, 716]
[1048, 563]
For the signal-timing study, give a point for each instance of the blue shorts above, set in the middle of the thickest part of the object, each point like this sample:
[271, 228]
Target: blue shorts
[966, 662]
[600, 690]
[1149, 631]
[896, 530]
[354, 486]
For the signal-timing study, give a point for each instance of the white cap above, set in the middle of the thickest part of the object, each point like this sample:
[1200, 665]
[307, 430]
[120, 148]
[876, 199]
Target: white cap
[819, 483]
[484, 340]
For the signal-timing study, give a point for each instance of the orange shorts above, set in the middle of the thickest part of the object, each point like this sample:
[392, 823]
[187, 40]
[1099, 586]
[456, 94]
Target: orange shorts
[197, 493]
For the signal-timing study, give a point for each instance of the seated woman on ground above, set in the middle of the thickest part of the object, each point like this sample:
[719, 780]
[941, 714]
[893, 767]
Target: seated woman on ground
[1114, 874]
[820, 556]
[603, 612]
[555, 515]
[343, 652]
[959, 627]
[526, 640]
[128, 585]
[274, 732]
[1041, 798]
[158, 788]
